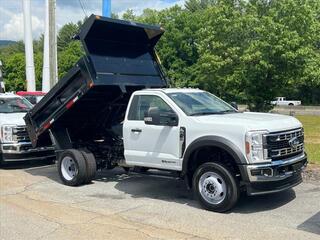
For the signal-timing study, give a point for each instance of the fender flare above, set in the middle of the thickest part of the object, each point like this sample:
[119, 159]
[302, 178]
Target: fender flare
[213, 141]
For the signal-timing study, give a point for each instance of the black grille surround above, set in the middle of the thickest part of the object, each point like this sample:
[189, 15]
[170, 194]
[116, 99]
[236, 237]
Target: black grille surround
[278, 147]
[20, 134]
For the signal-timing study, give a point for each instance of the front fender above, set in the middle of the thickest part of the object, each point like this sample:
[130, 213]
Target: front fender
[213, 141]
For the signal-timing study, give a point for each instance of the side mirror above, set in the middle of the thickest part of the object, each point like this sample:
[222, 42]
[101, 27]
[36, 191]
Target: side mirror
[234, 105]
[169, 119]
[154, 117]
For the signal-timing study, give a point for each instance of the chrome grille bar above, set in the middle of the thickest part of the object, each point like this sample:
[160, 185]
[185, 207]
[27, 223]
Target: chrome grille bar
[20, 134]
[278, 144]
[287, 151]
[286, 135]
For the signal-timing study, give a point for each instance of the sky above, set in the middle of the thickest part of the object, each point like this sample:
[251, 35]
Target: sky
[11, 15]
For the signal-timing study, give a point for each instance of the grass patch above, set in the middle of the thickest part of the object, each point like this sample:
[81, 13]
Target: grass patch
[311, 126]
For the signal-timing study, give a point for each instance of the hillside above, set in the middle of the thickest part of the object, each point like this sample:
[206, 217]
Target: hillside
[6, 42]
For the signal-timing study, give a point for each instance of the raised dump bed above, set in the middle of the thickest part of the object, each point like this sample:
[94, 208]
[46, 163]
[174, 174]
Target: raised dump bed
[92, 97]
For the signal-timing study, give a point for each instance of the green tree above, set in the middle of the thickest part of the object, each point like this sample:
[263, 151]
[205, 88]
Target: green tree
[129, 15]
[244, 50]
[14, 69]
[196, 5]
[66, 34]
[69, 56]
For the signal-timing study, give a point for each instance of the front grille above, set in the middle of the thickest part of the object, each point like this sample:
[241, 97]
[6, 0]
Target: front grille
[282, 145]
[20, 134]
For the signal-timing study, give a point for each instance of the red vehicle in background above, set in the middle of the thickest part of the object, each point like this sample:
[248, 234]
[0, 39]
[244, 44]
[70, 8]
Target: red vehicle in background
[32, 97]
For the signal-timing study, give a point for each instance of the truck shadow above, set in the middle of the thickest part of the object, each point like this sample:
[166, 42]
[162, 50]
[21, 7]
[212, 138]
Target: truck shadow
[26, 164]
[166, 188]
[173, 190]
[36, 168]
[251, 204]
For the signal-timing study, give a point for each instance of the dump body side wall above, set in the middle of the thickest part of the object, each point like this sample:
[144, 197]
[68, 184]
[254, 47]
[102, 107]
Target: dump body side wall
[93, 95]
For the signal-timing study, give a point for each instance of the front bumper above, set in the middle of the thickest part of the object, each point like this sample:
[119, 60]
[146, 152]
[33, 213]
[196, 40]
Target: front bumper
[273, 177]
[24, 152]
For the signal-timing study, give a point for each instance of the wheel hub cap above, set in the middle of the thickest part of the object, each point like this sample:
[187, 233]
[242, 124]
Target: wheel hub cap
[212, 187]
[68, 168]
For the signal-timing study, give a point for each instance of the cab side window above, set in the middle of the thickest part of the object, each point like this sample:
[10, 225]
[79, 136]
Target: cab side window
[142, 103]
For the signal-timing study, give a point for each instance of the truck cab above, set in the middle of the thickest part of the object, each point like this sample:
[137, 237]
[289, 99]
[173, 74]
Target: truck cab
[204, 138]
[15, 144]
[115, 108]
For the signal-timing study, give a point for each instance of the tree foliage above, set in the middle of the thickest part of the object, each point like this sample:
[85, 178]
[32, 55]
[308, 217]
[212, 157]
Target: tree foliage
[248, 51]
[66, 34]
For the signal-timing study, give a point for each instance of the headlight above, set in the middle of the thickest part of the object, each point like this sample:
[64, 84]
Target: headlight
[6, 135]
[254, 147]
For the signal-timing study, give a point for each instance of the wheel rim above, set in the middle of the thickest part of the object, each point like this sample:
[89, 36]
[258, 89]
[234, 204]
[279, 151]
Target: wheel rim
[212, 187]
[69, 168]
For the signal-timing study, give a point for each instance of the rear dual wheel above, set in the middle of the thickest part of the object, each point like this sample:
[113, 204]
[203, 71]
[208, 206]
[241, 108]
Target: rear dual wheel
[76, 167]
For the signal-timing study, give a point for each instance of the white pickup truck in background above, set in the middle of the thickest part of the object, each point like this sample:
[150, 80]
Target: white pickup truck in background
[15, 144]
[282, 101]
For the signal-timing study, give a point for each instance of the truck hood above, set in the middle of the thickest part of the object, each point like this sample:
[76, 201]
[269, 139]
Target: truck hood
[253, 121]
[12, 118]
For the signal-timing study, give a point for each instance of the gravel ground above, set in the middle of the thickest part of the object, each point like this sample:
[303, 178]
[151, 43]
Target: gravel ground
[312, 174]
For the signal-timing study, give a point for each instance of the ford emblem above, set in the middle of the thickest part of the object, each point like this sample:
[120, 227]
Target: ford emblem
[294, 142]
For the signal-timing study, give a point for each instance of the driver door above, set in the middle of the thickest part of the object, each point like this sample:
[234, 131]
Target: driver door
[155, 146]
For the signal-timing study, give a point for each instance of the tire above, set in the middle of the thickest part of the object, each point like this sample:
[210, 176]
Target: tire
[72, 167]
[90, 164]
[215, 187]
[291, 104]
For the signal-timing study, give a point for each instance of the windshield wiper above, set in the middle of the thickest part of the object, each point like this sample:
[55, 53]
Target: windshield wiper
[209, 113]
[228, 111]
[203, 113]
[20, 111]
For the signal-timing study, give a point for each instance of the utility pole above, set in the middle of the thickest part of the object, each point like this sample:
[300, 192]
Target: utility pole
[106, 8]
[52, 43]
[46, 59]
[28, 42]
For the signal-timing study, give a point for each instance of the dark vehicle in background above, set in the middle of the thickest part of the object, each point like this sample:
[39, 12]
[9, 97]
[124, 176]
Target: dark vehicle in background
[15, 144]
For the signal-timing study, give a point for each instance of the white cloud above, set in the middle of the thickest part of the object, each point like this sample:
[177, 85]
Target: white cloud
[11, 17]
[13, 30]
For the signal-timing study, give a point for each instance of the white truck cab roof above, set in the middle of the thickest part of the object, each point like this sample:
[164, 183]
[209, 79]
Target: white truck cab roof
[9, 95]
[171, 90]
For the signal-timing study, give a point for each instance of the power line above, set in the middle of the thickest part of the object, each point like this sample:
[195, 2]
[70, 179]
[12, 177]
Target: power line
[82, 6]
[85, 3]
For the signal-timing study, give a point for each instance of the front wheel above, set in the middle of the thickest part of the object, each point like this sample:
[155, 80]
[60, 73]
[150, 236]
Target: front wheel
[215, 187]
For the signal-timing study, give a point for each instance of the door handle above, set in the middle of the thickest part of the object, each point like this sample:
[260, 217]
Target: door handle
[136, 130]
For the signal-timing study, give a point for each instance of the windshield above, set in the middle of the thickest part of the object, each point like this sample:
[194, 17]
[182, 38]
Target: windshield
[200, 103]
[33, 99]
[13, 105]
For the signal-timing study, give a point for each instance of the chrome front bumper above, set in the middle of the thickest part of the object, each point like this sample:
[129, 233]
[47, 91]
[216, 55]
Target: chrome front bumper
[273, 177]
[278, 170]
[13, 152]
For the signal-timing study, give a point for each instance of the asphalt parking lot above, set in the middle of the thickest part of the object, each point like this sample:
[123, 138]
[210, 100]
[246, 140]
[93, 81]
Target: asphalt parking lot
[35, 205]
